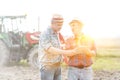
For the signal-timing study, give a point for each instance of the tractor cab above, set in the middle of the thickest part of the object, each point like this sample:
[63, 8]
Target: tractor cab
[9, 30]
[18, 44]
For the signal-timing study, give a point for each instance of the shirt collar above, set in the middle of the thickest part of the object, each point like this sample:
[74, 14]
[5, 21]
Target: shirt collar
[52, 31]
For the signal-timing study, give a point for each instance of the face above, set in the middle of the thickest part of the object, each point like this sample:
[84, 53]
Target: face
[57, 26]
[76, 28]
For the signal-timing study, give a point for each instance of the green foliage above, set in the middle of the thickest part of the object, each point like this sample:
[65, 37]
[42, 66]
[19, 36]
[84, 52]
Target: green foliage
[108, 52]
[107, 59]
[106, 63]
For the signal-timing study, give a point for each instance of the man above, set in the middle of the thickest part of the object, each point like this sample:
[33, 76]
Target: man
[50, 50]
[80, 64]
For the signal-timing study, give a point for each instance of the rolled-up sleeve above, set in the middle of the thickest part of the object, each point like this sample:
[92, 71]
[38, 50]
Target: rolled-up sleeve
[45, 42]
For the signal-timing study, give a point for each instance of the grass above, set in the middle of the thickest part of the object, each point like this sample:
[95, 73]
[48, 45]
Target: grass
[106, 63]
[23, 62]
[108, 52]
[107, 59]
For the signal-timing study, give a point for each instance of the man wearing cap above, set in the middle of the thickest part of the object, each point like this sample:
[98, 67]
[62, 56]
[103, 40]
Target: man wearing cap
[50, 52]
[80, 64]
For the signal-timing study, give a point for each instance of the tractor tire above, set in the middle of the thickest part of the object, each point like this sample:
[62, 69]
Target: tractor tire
[4, 54]
[33, 57]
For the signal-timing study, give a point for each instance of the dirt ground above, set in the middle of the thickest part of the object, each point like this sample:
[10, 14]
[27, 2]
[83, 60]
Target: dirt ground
[28, 73]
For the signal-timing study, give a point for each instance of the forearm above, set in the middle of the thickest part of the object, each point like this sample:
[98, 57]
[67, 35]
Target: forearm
[53, 50]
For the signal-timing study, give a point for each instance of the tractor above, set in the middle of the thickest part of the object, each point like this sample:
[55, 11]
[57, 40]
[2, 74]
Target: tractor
[16, 45]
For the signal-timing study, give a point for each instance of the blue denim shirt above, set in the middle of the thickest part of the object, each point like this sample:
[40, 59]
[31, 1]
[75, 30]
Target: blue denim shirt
[48, 39]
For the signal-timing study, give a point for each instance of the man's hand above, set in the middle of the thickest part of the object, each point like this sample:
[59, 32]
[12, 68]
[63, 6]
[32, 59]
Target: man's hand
[89, 52]
[83, 50]
[79, 50]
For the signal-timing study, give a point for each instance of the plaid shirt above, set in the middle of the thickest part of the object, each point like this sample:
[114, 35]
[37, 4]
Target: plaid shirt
[48, 39]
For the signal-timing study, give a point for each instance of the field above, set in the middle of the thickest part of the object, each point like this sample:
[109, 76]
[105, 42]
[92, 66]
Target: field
[108, 55]
[107, 59]
[106, 65]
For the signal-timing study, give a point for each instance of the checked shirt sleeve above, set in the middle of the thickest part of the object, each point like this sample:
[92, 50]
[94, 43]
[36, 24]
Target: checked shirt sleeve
[45, 42]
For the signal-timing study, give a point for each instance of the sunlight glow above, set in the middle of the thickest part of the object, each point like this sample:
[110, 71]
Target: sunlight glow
[99, 17]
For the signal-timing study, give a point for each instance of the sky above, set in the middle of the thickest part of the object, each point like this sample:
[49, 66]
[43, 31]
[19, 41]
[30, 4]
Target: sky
[100, 17]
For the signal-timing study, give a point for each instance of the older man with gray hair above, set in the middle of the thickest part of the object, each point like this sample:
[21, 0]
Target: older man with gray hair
[50, 52]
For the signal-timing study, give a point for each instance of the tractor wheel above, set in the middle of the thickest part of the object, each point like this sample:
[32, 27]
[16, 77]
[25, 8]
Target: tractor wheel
[33, 57]
[4, 54]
